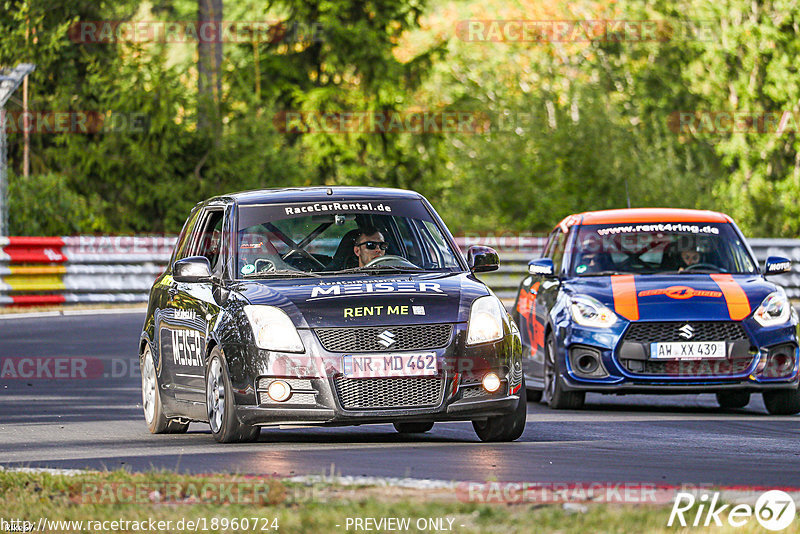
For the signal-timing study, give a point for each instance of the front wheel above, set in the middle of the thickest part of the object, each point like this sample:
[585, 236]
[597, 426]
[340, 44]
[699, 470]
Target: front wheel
[782, 401]
[554, 394]
[412, 428]
[504, 427]
[220, 404]
[154, 416]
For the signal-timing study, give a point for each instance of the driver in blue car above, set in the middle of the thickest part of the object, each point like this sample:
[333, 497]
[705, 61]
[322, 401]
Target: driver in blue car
[369, 245]
[689, 256]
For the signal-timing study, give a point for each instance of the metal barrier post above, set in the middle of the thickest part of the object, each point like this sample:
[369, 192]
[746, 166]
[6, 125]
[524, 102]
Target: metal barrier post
[9, 82]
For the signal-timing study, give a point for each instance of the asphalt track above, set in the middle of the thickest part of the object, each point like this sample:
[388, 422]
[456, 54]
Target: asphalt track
[98, 423]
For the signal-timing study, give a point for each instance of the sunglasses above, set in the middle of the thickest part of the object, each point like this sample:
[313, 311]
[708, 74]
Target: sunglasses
[372, 245]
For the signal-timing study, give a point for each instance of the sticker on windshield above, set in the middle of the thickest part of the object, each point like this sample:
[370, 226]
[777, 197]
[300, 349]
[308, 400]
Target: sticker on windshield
[249, 269]
[580, 269]
[663, 227]
[323, 207]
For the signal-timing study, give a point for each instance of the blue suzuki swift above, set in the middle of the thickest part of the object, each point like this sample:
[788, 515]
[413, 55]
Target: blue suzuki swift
[656, 301]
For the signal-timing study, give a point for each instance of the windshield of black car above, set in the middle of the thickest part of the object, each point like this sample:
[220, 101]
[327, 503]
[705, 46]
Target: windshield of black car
[328, 238]
[660, 248]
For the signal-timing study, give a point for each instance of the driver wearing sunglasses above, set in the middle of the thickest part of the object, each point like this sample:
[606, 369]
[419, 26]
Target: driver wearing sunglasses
[369, 245]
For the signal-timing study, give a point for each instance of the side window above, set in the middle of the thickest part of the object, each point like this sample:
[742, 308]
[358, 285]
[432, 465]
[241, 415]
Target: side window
[557, 250]
[413, 250]
[741, 260]
[440, 249]
[548, 247]
[209, 243]
[182, 245]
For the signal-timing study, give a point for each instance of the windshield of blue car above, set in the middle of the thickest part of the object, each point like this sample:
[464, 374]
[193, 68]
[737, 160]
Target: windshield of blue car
[659, 248]
[326, 238]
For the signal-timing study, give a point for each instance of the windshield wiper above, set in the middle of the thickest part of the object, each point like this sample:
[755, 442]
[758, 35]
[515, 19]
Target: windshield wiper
[604, 273]
[379, 268]
[282, 273]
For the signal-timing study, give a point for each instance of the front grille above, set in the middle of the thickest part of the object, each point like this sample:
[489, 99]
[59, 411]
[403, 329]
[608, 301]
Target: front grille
[472, 392]
[384, 393]
[644, 332]
[302, 384]
[365, 339]
[691, 368]
[303, 391]
[295, 399]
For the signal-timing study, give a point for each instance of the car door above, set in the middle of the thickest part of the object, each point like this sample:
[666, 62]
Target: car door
[184, 323]
[525, 313]
[544, 292]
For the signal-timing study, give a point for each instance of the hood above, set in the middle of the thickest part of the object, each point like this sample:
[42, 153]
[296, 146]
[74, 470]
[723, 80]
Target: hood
[688, 297]
[364, 300]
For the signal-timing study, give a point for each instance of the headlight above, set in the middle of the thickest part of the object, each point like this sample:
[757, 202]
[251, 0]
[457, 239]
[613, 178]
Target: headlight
[774, 310]
[587, 311]
[272, 329]
[486, 320]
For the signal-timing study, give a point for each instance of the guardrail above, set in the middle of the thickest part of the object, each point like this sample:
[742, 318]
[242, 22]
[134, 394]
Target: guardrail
[89, 269]
[82, 269]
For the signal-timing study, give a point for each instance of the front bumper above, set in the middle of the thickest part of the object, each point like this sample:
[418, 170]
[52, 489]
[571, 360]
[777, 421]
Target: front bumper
[750, 365]
[320, 400]
[456, 411]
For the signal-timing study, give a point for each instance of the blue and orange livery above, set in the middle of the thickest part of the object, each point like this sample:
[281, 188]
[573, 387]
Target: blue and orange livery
[656, 301]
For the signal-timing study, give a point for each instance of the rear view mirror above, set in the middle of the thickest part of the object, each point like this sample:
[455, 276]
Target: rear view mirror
[541, 267]
[482, 259]
[192, 269]
[777, 265]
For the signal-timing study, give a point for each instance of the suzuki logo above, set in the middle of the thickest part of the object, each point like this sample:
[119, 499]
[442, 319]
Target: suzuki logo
[686, 331]
[386, 339]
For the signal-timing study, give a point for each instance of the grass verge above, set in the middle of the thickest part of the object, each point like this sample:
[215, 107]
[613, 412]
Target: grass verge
[137, 502]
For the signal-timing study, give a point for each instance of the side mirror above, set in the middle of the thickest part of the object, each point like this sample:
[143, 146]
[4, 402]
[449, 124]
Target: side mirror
[192, 269]
[777, 265]
[541, 267]
[482, 259]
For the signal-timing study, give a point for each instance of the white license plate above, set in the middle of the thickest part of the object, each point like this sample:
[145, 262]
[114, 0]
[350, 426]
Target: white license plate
[688, 350]
[389, 365]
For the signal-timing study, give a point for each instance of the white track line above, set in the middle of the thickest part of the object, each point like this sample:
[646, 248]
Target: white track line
[57, 313]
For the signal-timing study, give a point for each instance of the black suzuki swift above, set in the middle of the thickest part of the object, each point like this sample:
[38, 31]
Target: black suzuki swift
[327, 306]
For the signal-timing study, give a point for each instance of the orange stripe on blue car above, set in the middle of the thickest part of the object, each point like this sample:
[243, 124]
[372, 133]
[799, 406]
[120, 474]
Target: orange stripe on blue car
[735, 297]
[626, 304]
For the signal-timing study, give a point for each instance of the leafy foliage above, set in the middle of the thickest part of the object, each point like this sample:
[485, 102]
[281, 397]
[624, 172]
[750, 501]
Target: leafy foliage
[572, 126]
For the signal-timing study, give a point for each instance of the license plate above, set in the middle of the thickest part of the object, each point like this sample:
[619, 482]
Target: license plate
[688, 350]
[389, 365]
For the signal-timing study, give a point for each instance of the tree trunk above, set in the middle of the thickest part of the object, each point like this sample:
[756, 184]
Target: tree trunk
[209, 62]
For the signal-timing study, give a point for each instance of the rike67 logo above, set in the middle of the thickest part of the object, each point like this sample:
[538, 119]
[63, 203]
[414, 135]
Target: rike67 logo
[774, 510]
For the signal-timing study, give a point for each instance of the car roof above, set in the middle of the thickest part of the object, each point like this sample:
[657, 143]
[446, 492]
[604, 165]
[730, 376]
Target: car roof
[315, 194]
[644, 215]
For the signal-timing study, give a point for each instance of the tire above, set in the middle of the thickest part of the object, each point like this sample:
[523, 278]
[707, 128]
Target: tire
[554, 394]
[220, 405]
[154, 416]
[413, 428]
[733, 399]
[504, 427]
[782, 401]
